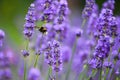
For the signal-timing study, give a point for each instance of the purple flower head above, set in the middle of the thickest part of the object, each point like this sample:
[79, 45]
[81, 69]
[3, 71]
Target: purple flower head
[4, 60]
[116, 43]
[39, 51]
[53, 55]
[5, 74]
[79, 61]
[51, 33]
[103, 48]
[48, 53]
[61, 31]
[62, 12]
[117, 67]
[108, 64]
[1, 56]
[115, 55]
[109, 4]
[46, 10]
[88, 8]
[2, 35]
[38, 8]
[57, 56]
[104, 21]
[92, 23]
[25, 53]
[30, 21]
[113, 27]
[95, 63]
[90, 44]
[63, 8]
[66, 54]
[48, 15]
[79, 32]
[34, 74]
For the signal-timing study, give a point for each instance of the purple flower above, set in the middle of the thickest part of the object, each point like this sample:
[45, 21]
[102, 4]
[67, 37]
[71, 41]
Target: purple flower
[48, 53]
[103, 48]
[5, 74]
[115, 55]
[109, 4]
[25, 53]
[38, 8]
[66, 53]
[46, 10]
[88, 8]
[104, 21]
[61, 31]
[4, 60]
[79, 61]
[79, 32]
[92, 24]
[95, 63]
[53, 55]
[2, 35]
[108, 64]
[34, 74]
[48, 15]
[62, 12]
[30, 21]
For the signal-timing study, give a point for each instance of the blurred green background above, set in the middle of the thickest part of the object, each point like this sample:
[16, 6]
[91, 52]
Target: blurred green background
[12, 13]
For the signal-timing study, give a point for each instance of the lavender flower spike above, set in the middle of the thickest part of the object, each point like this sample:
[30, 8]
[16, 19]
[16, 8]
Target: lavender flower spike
[88, 8]
[53, 55]
[30, 21]
[34, 74]
[2, 35]
[25, 53]
[109, 4]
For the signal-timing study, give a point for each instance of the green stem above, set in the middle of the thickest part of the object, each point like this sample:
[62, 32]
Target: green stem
[92, 74]
[49, 73]
[27, 44]
[84, 71]
[36, 61]
[41, 66]
[70, 63]
[25, 69]
[100, 71]
[111, 71]
[56, 75]
[107, 71]
[83, 23]
[100, 74]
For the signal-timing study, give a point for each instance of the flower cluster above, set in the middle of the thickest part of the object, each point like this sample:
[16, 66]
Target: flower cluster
[34, 74]
[94, 49]
[109, 4]
[30, 21]
[89, 7]
[5, 71]
[53, 55]
[103, 48]
[2, 35]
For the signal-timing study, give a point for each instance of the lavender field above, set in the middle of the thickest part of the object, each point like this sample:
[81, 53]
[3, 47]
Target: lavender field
[56, 43]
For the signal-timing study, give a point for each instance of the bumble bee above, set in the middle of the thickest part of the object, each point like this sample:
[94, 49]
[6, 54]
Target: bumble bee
[42, 29]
